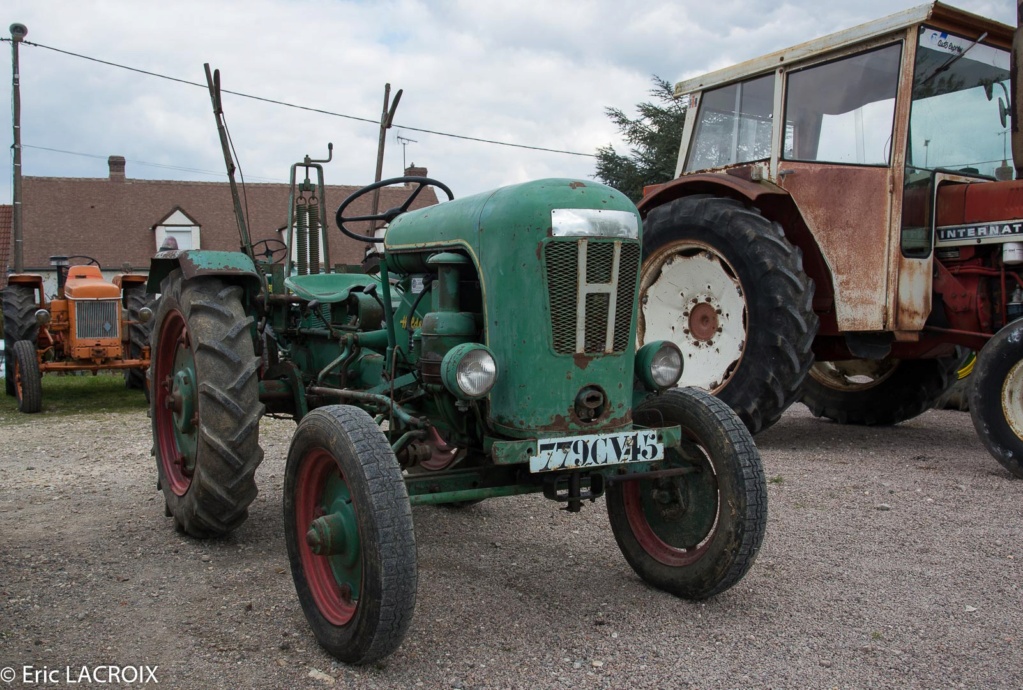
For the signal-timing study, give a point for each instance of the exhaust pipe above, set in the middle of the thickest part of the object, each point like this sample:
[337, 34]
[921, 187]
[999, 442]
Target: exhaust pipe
[1015, 84]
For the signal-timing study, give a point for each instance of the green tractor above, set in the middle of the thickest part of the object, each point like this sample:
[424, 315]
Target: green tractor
[494, 354]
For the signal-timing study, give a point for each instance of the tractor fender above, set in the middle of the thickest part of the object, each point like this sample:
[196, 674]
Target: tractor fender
[234, 266]
[720, 184]
[776, 204]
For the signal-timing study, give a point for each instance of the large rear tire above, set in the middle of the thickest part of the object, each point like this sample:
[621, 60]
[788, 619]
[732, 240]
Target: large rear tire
[19, 324]
[996, 397]
[877, 392]
[348, 528]
[28, 386]
[135, 298]
[205, 404]
[695, 534]
[724, 284]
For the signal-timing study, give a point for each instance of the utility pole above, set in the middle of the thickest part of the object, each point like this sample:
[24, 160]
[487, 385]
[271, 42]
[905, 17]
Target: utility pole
[386, 118]
[18, 32]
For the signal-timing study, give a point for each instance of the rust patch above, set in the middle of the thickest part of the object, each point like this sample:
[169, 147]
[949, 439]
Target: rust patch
[582, 361]
[703, 321]
[576, 185]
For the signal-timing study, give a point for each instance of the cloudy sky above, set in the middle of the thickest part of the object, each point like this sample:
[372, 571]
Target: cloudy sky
[529, 73]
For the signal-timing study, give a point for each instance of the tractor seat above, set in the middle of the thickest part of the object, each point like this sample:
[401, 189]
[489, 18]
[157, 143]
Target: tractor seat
[328, 288]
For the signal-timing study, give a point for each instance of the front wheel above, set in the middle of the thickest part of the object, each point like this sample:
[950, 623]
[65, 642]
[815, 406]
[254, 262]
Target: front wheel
[348, 528]
[697, 533]
[28, 387]
[996, 397]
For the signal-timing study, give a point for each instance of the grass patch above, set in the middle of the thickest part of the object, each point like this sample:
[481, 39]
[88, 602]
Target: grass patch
[73, 395]
[777, 479]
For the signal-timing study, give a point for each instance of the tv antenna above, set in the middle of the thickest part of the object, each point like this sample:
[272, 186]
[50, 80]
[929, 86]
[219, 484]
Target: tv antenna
[404, 141]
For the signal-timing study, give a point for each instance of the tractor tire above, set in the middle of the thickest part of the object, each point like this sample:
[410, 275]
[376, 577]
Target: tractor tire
[28, 384]
[349, 532]
[724, 284]
[693, 535]
[996, 397]
[204, 404]
[877, 392]
[135, 298]
[19, 324]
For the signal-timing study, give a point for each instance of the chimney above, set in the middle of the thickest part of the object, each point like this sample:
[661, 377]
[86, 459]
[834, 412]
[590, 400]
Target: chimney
[116, 164]
[413, 171]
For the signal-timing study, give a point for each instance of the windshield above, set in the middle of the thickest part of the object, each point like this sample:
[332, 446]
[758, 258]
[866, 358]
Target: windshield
[958, 91]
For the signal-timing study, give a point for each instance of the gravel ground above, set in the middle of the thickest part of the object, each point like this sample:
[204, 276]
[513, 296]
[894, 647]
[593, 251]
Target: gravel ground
[892, 559]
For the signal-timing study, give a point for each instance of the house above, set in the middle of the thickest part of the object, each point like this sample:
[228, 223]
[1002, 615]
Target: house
[121, 222]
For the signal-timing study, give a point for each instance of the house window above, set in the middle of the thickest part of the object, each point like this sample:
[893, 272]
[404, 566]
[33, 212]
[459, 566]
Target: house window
[180, 228]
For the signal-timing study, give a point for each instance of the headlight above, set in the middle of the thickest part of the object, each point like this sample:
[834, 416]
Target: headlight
[42, 317]
[659, 365]
[145, 314]
[469, 371]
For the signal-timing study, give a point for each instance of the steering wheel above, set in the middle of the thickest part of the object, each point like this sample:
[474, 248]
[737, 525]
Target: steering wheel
[391, 213]
[271, 248]
[89, 261]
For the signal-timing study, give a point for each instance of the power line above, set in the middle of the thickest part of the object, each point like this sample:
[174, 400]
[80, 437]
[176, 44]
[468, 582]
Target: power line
[302, 107]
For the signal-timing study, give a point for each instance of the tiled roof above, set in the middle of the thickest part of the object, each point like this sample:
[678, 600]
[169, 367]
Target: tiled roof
[112, 219]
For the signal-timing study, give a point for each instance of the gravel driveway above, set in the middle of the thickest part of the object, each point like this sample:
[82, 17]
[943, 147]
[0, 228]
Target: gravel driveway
[892, 559]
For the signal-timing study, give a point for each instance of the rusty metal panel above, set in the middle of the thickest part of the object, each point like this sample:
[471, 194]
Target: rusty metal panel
[847, 210]
[909, 279]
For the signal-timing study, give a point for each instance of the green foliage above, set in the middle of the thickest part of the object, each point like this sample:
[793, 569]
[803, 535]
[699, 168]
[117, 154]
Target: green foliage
[653, 138]
[82, 394]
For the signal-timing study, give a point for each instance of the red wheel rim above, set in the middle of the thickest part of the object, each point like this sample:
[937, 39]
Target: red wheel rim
[175, 447]
[317, 472]
[637, 499]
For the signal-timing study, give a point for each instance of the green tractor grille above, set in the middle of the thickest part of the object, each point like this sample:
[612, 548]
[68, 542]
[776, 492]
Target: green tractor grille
[97, 319]
[584, 304]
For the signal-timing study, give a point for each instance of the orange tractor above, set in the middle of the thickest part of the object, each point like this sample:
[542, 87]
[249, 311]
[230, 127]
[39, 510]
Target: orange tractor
[91, 324]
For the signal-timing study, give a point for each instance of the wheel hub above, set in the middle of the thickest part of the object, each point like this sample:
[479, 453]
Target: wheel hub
[182, 401]
[703, 321]
[335, 534]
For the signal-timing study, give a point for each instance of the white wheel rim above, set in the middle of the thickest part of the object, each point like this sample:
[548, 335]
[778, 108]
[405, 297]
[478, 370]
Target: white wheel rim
[1012, 399]
[853, 374]
[691, 296]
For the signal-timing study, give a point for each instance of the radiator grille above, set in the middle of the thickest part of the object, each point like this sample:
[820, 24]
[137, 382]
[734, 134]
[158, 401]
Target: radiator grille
[563, 292]
[97, 319]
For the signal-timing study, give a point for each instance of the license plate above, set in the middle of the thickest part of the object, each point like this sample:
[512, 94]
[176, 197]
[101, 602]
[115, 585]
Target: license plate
[598, 450]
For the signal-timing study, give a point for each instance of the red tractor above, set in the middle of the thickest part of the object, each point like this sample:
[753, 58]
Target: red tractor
[845, 226]
[91, 324]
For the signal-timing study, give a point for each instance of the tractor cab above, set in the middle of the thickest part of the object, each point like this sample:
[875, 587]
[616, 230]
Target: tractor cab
[844, 222]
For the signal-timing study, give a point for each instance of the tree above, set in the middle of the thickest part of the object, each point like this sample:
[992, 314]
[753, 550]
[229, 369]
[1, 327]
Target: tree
[654, 139]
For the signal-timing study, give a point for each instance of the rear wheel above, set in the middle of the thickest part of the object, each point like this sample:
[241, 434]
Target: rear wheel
[205, 404]
[877, 392]
[19, 324]
[28, 387]
[724, 284]
[697, 533]
[135, 298]
[348, 528]
[996, 397]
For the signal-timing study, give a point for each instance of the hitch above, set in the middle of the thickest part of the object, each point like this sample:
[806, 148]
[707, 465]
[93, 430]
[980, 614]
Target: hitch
[570, 489]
